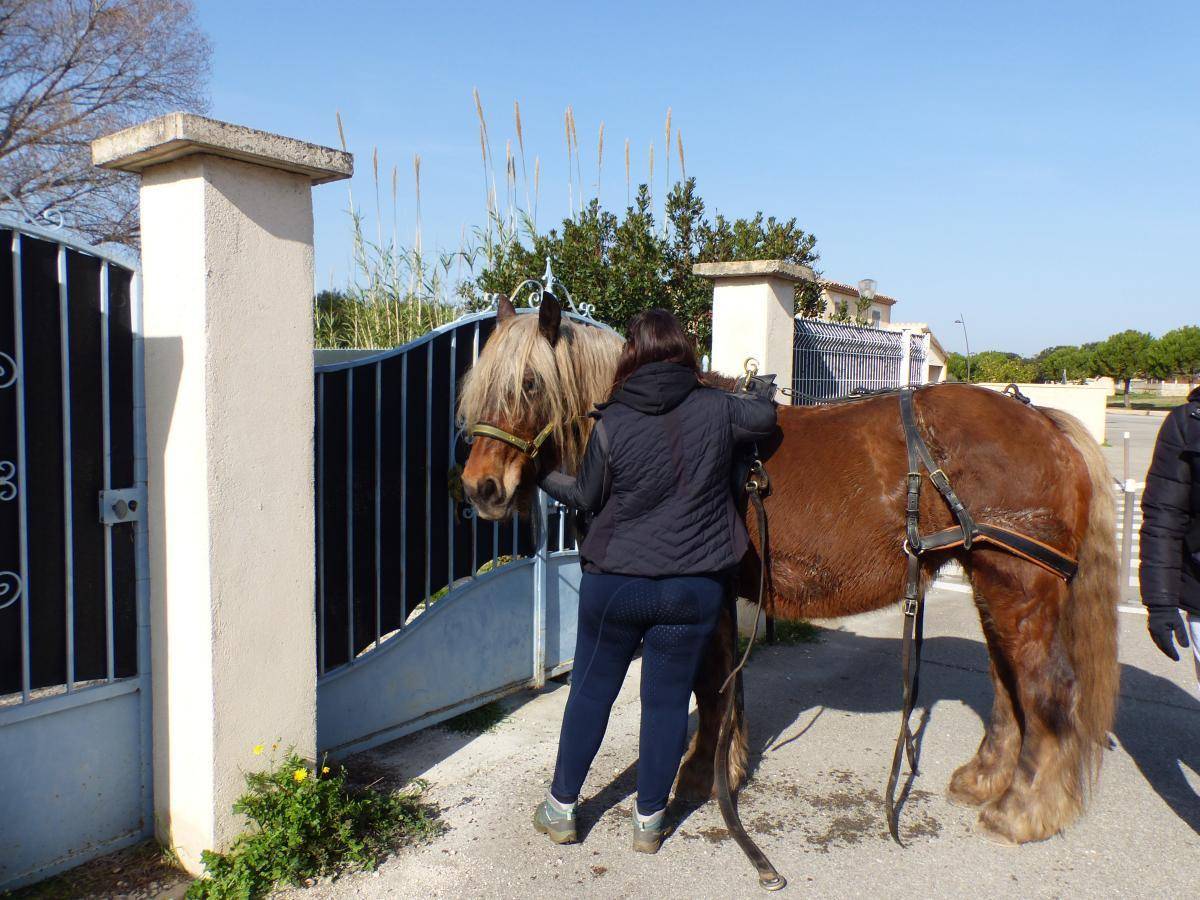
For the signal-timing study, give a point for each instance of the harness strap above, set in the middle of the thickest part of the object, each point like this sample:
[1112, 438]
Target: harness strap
[768, 878]
[918, 453]
[530, 448]
[1029, 549]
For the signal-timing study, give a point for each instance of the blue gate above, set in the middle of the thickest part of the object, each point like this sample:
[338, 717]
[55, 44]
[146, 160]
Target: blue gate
[423, 610]
[74, 630]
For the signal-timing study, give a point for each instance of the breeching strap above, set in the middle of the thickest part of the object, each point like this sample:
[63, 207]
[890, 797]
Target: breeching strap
[768, 878]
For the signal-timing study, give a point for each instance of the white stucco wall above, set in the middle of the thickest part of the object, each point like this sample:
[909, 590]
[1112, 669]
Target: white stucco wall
[1084, 401]
[228, 284]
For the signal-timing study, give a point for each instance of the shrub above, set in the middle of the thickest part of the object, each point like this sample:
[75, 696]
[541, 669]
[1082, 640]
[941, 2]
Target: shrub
[307, 823]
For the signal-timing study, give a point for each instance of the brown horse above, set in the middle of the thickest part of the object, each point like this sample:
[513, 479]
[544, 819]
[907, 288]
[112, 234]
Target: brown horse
[838, 481]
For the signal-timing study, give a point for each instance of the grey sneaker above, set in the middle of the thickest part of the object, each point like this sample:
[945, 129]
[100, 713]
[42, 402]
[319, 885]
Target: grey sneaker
[559, 827]
[648, 838]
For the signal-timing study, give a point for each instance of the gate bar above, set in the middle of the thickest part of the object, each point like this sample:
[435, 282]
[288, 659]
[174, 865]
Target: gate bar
[321, 523]
[403, 490]
[64, 330]
[378, 504]
[350, 515]
[22, 503]
[428, 470]
[106, 467]
[450, 460]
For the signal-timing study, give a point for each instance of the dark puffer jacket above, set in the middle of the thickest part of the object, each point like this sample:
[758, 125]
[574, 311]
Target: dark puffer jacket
[657, 470]
[1170, 542]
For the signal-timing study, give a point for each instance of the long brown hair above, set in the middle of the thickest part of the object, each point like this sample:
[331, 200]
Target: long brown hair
[654, 336]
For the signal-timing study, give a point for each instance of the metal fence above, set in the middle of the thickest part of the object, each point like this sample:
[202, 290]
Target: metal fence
[833, 359]
[74, 594]
[393, 530]
[70, 395]
[423, 609]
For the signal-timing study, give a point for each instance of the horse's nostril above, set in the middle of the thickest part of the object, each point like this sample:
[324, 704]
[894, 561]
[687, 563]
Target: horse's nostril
[489, 490]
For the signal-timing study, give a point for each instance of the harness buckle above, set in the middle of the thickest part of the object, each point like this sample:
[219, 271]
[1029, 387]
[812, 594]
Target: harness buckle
[910, 606]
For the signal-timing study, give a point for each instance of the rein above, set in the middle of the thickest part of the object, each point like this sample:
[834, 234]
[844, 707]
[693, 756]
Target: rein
[756, 486]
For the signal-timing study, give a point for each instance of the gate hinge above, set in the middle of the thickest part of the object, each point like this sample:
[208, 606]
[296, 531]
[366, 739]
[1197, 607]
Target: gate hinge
[120, 507]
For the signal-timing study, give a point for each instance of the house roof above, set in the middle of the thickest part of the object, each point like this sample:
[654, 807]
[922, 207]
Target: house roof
[838, 287]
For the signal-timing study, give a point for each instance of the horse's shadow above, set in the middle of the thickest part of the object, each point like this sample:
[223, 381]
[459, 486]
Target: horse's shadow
[788, 690]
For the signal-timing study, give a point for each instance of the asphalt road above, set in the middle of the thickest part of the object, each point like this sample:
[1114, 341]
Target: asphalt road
[823, 719]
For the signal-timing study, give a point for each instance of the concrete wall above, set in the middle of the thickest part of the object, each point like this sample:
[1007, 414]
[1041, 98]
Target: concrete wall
[1087, 402]
[228, 274]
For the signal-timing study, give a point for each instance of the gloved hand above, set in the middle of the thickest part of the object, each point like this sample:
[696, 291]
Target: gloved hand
[1165, 628]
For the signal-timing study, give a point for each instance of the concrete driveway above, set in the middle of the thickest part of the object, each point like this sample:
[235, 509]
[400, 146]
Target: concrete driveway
[823, 718]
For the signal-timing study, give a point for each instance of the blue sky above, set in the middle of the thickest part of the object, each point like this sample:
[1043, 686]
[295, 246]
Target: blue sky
[1032, 166]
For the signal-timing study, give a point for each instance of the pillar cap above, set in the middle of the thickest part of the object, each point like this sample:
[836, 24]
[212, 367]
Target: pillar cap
[754, 268]
[177, 135]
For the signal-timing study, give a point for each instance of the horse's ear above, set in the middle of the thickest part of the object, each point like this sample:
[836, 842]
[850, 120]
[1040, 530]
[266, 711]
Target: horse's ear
[505, 309]
[549, 317]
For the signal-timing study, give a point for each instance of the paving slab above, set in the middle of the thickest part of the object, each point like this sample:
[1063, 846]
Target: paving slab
[823, 720]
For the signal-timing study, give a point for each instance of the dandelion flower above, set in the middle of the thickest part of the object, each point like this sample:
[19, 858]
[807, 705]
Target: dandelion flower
[258, 749]
[299, 775]
[324, 770]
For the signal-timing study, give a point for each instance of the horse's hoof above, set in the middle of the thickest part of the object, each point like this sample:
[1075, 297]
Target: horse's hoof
[993, 827]
[960, 796]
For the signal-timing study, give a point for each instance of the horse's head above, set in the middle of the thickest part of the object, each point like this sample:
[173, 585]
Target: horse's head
[536, 377]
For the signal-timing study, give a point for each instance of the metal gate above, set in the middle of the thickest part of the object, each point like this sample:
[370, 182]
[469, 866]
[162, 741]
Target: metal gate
[423, 610]
[74, 650]
[833, 359]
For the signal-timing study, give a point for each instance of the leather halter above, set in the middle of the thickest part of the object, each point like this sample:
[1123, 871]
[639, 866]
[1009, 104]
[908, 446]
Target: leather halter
[530, 448]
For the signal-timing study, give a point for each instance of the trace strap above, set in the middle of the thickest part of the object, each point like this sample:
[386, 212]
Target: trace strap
[529, 448]
[962, 535]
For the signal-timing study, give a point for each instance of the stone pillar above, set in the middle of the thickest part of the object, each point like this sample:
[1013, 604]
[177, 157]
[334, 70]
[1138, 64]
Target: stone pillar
[227, 280]
[754, 313]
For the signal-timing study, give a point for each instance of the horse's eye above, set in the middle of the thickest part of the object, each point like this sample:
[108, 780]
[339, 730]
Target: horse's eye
[530, 384]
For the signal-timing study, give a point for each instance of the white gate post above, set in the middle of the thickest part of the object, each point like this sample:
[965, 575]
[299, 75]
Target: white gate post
[227, 261]
[754, 312]
[926, 343]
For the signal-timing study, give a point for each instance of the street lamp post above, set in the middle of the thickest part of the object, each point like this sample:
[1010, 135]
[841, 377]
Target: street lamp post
[961, 320]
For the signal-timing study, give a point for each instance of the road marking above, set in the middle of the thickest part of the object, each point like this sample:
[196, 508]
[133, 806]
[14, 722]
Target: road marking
[1131, 610]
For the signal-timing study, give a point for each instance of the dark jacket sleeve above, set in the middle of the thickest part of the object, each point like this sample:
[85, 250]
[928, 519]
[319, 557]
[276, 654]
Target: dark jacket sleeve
[587, 489]
[751, 417]
[1166, 513]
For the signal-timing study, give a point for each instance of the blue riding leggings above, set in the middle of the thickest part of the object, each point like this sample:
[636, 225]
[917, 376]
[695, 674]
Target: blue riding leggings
[674, 617]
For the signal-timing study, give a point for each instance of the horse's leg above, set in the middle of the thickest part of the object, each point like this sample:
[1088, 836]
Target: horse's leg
[990, 771]
[1045, 794]
[695, 783]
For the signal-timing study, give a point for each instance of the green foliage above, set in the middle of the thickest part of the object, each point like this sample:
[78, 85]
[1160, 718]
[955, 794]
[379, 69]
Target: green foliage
[628, 264]
[1051, 364]
[1123, 356]
[956, 367]
[307, 824]
[1176, 353]
[394, 296]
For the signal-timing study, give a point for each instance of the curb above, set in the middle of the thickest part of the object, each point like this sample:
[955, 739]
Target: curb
[1120, 410]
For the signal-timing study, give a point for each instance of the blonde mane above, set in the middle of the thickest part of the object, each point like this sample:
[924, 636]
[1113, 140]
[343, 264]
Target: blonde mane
[570, 378]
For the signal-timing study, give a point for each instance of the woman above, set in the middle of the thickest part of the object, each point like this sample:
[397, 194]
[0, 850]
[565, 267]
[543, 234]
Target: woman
[656, 560]
[1170, 543]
